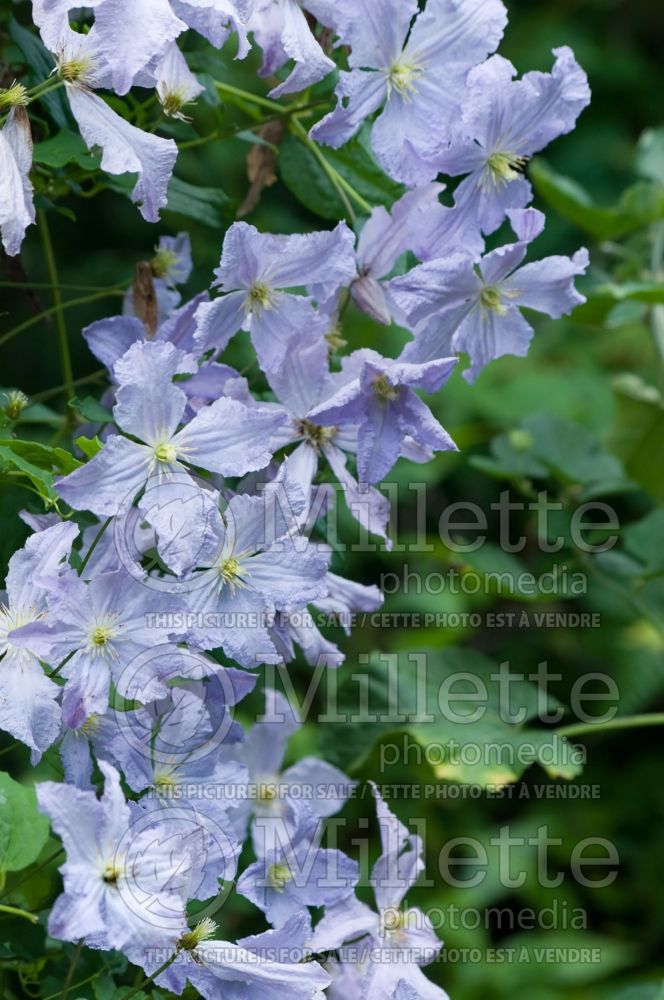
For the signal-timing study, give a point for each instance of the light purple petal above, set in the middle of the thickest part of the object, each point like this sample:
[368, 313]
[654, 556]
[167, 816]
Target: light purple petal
[16, 208]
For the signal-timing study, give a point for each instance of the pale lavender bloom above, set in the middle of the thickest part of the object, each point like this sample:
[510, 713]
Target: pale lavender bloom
[176, 84]
[296, 872]
[384, 238]
[505, 121]
[301, 385]
[225, 437]
[105, 624]
[17, 211]
[417, 74]
[255, 271]
[377, 396]
[123, 888]
[172, 260]
[455, 307]
[325, 787]
[344, 599]
[28, 705]
[403, 938]
[252, 560]
[282, 31]
[265, 966]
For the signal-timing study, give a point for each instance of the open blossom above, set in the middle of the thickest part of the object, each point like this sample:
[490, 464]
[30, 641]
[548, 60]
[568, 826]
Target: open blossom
[226, 437]
[377, 396]
[255, 274]
[17, 211]
[455, 307]
[28, 698]
[416, 75]
[402, 938]
[295, 872]
[265, 966]
[505, 121]
[176, 84]
[122, 888]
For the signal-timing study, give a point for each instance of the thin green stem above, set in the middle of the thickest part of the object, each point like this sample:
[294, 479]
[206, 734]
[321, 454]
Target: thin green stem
[343, 187]
[12, 746]
[624, 722]
[48, 285]
[94, 545]
[14, 911]
[82, 982]
[66, 986]
[61, 664]
[657, 312]
[63, 341]
[151, 979]
[85, 380]
[70, 304]
[34, 871]
[246, 95]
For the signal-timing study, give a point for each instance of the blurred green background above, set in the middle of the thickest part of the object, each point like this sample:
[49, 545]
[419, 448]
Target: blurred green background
[569, 374]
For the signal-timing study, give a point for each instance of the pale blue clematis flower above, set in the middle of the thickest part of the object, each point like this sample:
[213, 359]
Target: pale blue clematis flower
[124, 888]
[505, 121]
[400, 939]
[295, 872]
[377, 396]
[416, 75]
[456, 307]
[29, 708]
[256, 273]
[281, 30]
[225, 437]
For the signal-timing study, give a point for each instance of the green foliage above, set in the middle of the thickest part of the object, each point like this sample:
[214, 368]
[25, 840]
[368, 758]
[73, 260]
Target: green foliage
[23, 829]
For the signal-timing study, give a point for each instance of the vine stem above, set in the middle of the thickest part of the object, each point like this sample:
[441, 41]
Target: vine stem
[66, 986]
[94, 545]
[626, 722]
[151, 979]
[246, 95]
[69, 304]
[34, 871]
[63, 341]
[340, 183]
[16, 912]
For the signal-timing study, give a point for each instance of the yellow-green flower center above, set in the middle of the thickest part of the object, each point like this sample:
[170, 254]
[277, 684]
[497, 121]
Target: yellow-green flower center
[259, 297]
[164, 784]
[401, 79]
[163, 261]
[15, 96]
[166, 453]
[491, 298]
[279, 876]
[101, 635]
[76, 70]
[267, 791]
[315, 434]
[203, 931]
[111, 873]
[506, 167]
[383, 388]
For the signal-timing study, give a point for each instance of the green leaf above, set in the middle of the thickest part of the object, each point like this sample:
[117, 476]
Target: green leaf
[23, 829]
[38, 463]
[637, 437]
[63, 148]
[307, 181]
[640, 205]
[604, 301]
[91, 409]
[397, 694]
[89, 446]
[211, 206]
[650, 155]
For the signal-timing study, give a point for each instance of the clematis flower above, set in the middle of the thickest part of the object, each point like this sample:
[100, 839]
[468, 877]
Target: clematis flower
[265, 966]
[17, 211]
[505, 121]
[400, 939]
[226, 437]
[255, 271]
[454, 307]
[251, 561]
[217, 19]
[296, 872]
[176, 84]
[417, 75]
[377, 396]
[324, 787]
[28, 706]
[122, 889]
[102, 626]
[281, 29]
